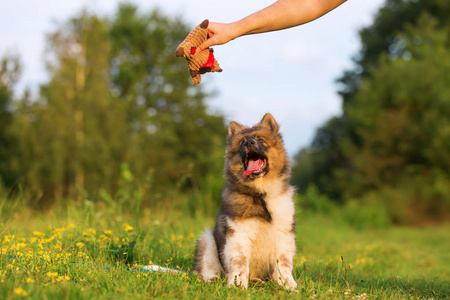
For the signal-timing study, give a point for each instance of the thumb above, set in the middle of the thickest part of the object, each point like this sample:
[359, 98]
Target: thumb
[206, 44]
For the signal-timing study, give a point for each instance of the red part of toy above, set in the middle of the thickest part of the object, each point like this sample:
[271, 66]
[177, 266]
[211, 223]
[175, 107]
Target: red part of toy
[210, 62]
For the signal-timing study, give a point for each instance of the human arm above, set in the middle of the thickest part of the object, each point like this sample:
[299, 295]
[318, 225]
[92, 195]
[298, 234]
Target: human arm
[280, 15]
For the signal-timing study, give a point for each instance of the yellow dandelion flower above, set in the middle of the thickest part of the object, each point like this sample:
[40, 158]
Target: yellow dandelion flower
[60, 230]
[8, 238]
[80, 245]
[38, 233]
[127, 227]
[52, 274]
[20, 292]
[63, 278]
[104, 237]
[72, 226]
[89, 231]
[29, 280]
[108, 232]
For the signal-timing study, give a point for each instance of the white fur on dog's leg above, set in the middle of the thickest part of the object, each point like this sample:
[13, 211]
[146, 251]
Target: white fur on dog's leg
[286, 281]
[210, 265]
[236, 258]
[238, 279]
[285, 254]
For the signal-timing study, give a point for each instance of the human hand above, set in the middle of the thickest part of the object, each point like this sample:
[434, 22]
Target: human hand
[219, 34]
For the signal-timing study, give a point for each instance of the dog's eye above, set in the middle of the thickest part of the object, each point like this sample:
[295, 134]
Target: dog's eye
[261, 140]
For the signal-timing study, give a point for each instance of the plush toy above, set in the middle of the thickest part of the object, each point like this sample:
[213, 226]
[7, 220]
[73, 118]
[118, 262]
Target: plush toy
[198, 62]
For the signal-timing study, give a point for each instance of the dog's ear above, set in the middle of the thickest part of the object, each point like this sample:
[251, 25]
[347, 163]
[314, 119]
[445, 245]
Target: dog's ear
[269, 122]
[233, 128]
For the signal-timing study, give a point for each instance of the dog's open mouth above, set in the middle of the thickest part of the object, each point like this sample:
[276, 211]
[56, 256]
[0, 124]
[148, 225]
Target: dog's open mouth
[254, 164]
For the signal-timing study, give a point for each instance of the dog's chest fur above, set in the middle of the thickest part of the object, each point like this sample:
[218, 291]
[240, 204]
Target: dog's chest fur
[264, 221]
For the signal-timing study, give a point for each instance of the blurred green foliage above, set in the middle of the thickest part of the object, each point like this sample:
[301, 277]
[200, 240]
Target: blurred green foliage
[361, 214]
[119, 121]
[392, 141]
[118, 112]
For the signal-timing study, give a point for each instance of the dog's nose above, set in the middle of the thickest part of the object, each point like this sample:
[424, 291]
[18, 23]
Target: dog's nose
[250, 142]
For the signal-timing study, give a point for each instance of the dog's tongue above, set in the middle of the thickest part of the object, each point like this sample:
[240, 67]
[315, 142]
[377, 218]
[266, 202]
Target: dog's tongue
[253, 165]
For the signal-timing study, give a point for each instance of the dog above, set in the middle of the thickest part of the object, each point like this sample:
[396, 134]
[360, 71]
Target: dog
[254, 235]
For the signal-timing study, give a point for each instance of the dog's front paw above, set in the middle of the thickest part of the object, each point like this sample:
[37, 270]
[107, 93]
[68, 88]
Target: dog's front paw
[237, 280]
[209, 277]
[290, 283]
[287, 282]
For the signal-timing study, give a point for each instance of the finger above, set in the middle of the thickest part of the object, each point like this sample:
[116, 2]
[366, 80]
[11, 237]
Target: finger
[208, 43]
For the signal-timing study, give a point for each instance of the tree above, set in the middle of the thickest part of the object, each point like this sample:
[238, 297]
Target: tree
[382, 37]
[118, 110]
[10, 69]
[400, 115]
[378, 39]
[169, 119]
[73, 140]
[319, 164]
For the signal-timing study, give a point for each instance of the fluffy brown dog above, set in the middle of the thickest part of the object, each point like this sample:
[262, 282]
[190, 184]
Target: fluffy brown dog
[254, 235]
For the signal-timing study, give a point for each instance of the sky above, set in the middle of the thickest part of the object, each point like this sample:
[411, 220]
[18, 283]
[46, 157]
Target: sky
[289, 73]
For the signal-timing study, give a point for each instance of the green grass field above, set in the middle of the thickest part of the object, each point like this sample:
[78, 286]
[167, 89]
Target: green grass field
[89, 250]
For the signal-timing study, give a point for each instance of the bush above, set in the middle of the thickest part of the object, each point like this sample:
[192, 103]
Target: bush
[313, 201]
[365, 214]
[361, 214]
[417, 199]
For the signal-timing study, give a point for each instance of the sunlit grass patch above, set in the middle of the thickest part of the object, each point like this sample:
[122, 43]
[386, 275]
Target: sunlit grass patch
[77, 254]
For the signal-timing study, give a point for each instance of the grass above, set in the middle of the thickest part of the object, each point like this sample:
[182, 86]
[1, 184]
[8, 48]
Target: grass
[88, 250]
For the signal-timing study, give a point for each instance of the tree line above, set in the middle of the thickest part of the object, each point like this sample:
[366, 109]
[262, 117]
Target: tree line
[118, 110]
[391, 145]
